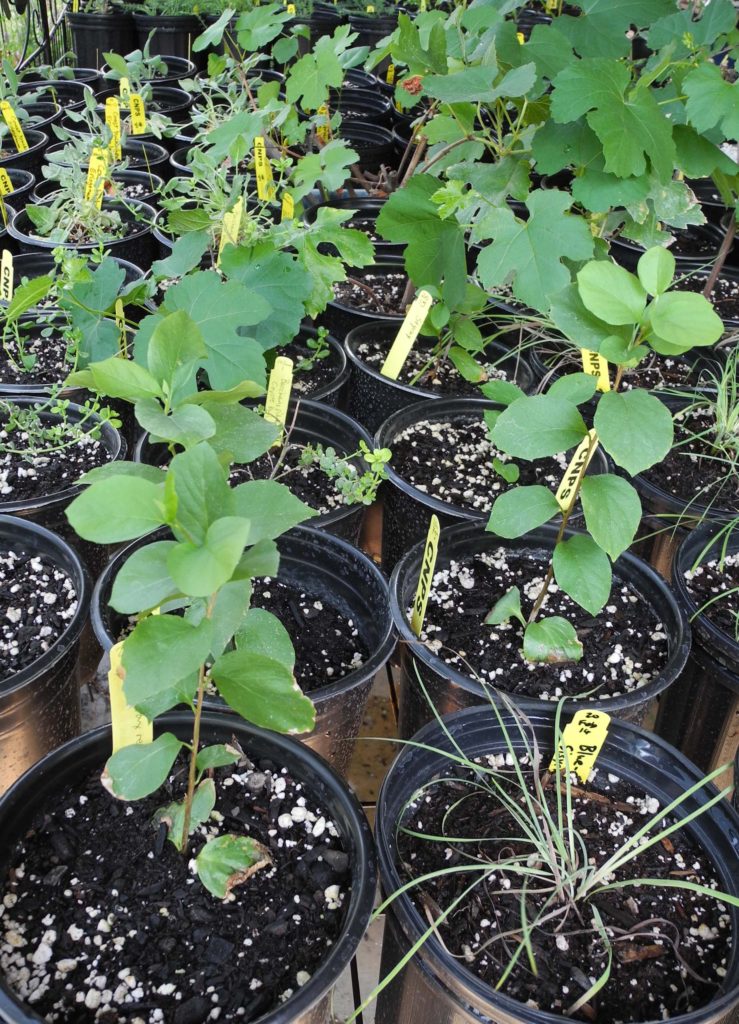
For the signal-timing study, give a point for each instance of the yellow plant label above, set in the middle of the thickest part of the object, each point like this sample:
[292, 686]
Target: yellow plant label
[21, 143]
[124, 91]
[3, 211]
[288, 207]
[113, 121]
[96, 174]
[423, 5]
[428, 563]
[521, 37]
[596, 366]
[129, 725]
[263, 169]
[574, 473]
[323, 131]
[120, 321]
[390, 74]
[6, 276]
[75, 6]
[406, 336]
[582, 738]
[231, 227]
[278, 392]
[6, 187]
[138, 115]
[550, 6]
[370, 9]
[291, 9]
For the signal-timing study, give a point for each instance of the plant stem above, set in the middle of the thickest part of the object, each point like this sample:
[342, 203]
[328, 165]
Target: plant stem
[195, 742]
[721, 258]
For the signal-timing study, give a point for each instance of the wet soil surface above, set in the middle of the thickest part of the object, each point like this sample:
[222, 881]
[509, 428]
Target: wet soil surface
[373, 293]
[309, 483]
[104, 920]
[624, 647]
[26, 476]
[36, 357]
[709, 580]
[669, 946]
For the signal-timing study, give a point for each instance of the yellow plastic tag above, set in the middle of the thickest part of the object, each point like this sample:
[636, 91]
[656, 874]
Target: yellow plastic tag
[6, 276]
[129, 725]
[390, 74]
[120, 321]
[6, 187]
[263, 168]
[278, 392]
[406, 336]
[583, 738]
[3, 211]
[21, 143]
[574, 473]
[75, 6]
[124, 91]
[291, 9]
[231, 227]
[428, 563]
[370, 9]
[96, 174]
[596, 366]
[138, 115]
[423, 5]
[288, 207]
[550, 6]
[521, 37]
[323, 131]
[113, 121]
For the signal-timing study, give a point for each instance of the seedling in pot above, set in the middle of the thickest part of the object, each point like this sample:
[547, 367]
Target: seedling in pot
[198, 582]
[28, 432]
[354, 488]
[623, 317]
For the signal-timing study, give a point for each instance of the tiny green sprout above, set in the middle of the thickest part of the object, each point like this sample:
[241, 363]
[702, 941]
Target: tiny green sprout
[319, 349]
[355, 488]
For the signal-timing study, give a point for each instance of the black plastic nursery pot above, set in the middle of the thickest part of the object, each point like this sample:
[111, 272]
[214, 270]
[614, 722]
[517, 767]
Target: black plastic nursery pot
[694, 246]
[140, 154]
[136, 247]
[40, 706]
[709, 198]
[407, 510]
[70, 764]
[66, 92]
[177, 69]
[23, 183]
[341, 318]
[373, 143]
[435, 986]
[336, 572]
[167, 100]
[96, 34]
[372, 397]
[309, 422]
[700, 712]
[30, 159]
[173, 36]
[89, 75]
[42, 115]
[358, 104]
[450, 689]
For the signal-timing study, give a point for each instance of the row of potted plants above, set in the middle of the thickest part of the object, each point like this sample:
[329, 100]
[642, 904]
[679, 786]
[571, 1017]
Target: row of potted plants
[504, 197]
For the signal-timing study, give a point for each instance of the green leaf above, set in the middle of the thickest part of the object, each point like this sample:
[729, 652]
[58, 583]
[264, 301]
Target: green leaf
[611, 293]
[143, 581]
[459, 86]
[213, 35]
[612, 512]
[521, 509]
[583, 571]
[635, 428]
[711, 101]
[506, 608]
[203, 494]
[175, 348]
[118, 378]
[263, 691]
[656, 268]
[173, 815]
[466, 365]
[533, 250]
[601, 29]
[28, 295]
[117, 508]
[135, 469]
[574, 387]
[262, 633]
[229, 612]
[185, 426]
[578, 324]
[599, 191]
[161, 652]
[435, 248]
[261, 560]
[185, 256]
[502, 391]
[228, 861]
[681, 320]
[136, 771]
[270, 508]
[241, 431]
[538, 426]
[509, 471]
[200, 569]
[330, 166]
[216, 756]
[311, 77]
[551, 640]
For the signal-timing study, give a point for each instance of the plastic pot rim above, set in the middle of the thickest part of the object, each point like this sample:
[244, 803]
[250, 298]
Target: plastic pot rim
[611, 757]
[42, 140]
[313, 770]
[542, 537]
[83, 585]
[130, 206]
